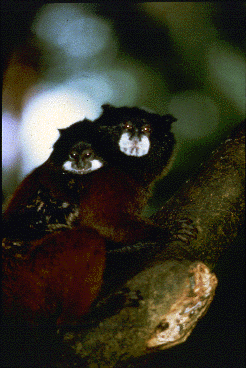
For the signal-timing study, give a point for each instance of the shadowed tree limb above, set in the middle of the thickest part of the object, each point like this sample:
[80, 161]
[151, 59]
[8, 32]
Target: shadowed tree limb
[215, 200]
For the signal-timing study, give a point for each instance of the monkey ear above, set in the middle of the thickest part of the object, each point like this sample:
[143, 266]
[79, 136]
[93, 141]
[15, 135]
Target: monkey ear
[168, 119]
[61, 131]
[107, 107]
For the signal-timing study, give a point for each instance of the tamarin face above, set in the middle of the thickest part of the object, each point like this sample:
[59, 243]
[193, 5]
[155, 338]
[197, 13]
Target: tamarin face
[133, 137]
[82, 159]
[73, 152]
[135, 140]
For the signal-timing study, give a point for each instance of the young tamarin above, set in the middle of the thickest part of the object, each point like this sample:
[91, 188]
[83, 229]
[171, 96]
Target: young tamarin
[52, 266]
[127, 149]
[48, 199]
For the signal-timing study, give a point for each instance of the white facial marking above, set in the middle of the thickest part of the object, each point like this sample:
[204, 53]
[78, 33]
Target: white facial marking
[135, 146]
[95, 165]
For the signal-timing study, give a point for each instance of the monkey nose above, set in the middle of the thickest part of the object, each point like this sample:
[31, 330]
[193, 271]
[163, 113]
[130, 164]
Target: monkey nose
[134, 139]
[84, 165]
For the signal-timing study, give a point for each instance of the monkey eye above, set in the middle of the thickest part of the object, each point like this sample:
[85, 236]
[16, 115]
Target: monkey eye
[146, 128]
[73, 155]
[87, 153]
[128, 125]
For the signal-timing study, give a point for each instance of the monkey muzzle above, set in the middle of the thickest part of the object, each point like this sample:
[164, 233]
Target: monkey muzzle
[134, 145]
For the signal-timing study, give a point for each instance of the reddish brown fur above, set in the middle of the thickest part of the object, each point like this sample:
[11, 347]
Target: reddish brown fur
[111, 208]
[63, 270]
[22, 194]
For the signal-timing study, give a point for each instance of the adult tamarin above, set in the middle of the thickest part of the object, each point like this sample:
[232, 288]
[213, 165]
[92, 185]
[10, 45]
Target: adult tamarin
[90, 190]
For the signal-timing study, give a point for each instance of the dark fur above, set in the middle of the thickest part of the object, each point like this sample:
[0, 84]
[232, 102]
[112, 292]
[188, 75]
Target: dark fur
[109, 199]
[143, 169]
[58, 224]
